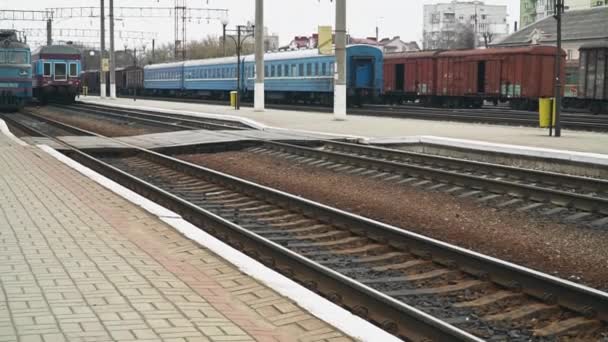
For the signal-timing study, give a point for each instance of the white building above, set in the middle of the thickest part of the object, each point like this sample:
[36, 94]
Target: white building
[446, 23]
[535, 10]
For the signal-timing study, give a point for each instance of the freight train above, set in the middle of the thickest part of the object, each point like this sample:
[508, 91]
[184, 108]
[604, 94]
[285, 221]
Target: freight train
[15, 71]
[457, 78]
[56, 71]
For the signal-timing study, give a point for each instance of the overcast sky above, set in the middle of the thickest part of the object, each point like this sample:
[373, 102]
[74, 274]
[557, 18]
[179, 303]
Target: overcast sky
[287, 18]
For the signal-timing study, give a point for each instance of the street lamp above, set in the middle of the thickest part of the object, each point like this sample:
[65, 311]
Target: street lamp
[225, 23]
[248, 30]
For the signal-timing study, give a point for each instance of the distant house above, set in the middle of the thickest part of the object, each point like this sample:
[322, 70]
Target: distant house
[578, 28]
[396, 45]
[389, 45]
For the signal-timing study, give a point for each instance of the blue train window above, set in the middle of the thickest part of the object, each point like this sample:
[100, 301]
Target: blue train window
[266, 70]
[286, 70]
[73, 70]
[294, 70]
[280, 71]
[47, 69]
[272, 71]
[301, 70]
[324, 69]
[308, 69]
[316, 69]
[331, 68]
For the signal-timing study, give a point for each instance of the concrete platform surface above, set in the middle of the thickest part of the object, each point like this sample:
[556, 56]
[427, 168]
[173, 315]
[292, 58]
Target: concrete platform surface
[80, 263]
[374, 127]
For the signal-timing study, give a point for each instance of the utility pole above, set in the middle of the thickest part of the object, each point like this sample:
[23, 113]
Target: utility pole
[112, 61]
[49, 31]
[102, 73]
[475, 28]
[259, 99]
[340, 75]
[559, 8]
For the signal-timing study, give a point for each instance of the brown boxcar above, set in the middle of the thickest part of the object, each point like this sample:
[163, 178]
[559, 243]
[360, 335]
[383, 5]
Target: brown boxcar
[409, 75]
[593, 77]
[465, 78]
[520, 75]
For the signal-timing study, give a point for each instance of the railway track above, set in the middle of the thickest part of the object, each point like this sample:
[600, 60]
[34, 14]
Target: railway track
[411, 285]
[566, 197]
[489, 115]
[155, 118]
[571, 198]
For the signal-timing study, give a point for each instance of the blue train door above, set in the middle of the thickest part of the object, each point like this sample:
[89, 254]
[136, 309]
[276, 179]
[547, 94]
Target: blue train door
[364, 72]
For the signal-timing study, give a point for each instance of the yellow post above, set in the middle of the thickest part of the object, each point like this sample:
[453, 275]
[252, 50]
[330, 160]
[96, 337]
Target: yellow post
[233, 99]
[546, 107]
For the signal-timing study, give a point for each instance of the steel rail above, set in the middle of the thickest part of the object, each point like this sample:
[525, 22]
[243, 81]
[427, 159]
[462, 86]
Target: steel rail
[507, 117]
[199, 122]
[537, 193]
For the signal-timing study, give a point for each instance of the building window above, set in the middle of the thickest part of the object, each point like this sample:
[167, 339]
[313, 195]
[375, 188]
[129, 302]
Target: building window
[569, 54]
[47, 69]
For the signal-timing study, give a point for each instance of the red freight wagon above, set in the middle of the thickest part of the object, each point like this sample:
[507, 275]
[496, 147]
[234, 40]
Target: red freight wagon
[520, 75]
[409, 76]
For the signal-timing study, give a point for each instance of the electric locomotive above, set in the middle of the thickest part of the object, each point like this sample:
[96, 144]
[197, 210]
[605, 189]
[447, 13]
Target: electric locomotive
[15, 71]
[56, 73]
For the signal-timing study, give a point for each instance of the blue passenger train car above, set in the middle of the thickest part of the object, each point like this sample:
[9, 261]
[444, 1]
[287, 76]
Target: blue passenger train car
[294, 76]
[56, 70]
[15, 71]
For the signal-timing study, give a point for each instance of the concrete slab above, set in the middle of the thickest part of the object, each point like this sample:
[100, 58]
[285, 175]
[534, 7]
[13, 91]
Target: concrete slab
[374, 127]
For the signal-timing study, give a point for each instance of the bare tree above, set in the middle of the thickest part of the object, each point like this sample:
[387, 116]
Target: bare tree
[465, 37]
[488, 36]
[208, 47]
[461, 37]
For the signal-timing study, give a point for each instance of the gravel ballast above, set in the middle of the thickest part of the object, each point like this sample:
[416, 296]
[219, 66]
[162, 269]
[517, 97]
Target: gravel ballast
[567, 251]
[99, 124]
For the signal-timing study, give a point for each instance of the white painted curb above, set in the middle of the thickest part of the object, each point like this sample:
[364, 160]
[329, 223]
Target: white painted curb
[539, 152]
[4, 129]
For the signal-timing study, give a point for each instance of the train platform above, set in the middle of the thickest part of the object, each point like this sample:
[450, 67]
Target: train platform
[83, 259]
[385, 130]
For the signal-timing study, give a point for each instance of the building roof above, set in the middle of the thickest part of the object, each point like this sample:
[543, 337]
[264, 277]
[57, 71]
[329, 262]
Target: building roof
[588, 24]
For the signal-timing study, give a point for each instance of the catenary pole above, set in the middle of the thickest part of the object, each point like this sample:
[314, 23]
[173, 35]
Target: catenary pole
[112, 60]
[559, 7]
[340, 75]
[259, 57]
[102, 73]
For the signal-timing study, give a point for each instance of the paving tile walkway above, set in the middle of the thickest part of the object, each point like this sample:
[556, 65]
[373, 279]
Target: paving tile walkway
[79, 263]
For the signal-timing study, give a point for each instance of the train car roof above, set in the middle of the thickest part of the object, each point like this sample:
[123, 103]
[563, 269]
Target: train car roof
[411, 54]
[272, 56]
[163, 65]
[534, 49]
[57, 50]
[595, 45]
